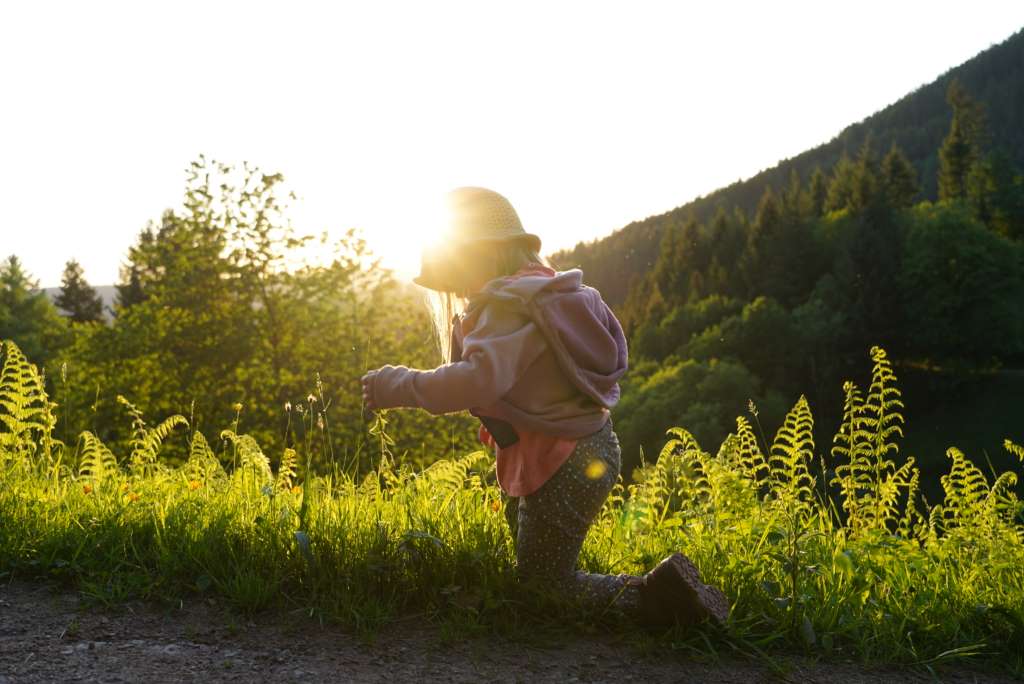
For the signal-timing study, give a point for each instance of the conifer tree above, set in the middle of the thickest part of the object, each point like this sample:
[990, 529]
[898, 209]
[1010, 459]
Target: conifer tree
[77, 298]
[961, 148]
[129, 292]
[899, 178]
[817, 192]
[841, 185]
[26, 314]
[865, 178]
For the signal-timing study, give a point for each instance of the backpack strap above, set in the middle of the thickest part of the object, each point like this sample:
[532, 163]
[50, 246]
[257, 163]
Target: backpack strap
[502, 431]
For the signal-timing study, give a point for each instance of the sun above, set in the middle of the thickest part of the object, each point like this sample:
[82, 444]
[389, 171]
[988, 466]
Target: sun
[400, 231]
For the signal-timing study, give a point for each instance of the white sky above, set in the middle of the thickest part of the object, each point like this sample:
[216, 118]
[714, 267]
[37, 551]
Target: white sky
[585, 115]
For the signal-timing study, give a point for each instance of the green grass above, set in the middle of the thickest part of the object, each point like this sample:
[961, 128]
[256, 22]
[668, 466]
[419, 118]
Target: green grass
[818, 554]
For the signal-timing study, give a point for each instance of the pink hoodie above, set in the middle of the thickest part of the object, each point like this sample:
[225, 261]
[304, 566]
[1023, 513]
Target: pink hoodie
[540, 350]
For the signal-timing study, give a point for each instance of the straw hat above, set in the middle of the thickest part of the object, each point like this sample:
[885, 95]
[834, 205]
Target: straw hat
[477, 216]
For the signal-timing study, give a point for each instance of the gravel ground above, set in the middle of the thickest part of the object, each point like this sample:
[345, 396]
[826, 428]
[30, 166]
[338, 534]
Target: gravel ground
[48, 634]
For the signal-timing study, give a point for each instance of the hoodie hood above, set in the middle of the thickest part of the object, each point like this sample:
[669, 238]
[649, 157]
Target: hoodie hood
[581, 329]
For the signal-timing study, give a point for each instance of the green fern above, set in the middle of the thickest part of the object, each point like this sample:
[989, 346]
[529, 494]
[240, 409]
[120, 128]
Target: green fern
[202, 464]
[751, 461]
[96, 462]
[974, 508]
[1014, 449]
[146, 441]
[252, 461]
[26, 413]
[791, 483]
[869, 481]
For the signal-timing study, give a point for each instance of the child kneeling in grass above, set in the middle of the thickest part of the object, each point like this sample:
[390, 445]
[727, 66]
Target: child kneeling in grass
[536, 355]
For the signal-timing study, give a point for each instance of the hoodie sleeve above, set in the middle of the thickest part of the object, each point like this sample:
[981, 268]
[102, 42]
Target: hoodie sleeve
[495, 353]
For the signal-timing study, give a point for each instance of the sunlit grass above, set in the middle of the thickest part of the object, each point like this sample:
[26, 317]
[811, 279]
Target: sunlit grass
[831, 561]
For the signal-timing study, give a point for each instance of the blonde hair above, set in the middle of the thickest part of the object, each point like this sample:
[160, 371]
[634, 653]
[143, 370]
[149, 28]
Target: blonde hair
[445, 307]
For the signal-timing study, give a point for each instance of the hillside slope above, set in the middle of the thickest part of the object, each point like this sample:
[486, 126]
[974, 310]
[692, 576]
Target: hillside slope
[917, 123]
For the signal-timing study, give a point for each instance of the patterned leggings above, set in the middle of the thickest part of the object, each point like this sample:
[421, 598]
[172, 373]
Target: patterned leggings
[549, 526]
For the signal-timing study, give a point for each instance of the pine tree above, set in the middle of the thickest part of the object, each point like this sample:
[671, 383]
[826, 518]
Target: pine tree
[961, 148]
[817, 192]
[899, 178]
[865, 178]
[841, 186]
[77, 298]
[26, 314]
[129, 291]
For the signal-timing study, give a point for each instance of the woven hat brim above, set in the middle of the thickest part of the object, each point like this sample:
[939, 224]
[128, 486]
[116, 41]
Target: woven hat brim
[430, 279]
[532, 240]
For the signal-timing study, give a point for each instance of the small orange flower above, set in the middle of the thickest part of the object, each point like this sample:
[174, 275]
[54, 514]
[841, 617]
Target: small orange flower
[133, 497]
[495, 505]
[296, 489]
[194, 484]
[87, 489]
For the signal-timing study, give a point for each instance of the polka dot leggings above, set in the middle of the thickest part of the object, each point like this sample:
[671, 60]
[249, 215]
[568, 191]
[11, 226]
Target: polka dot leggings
[549, 526]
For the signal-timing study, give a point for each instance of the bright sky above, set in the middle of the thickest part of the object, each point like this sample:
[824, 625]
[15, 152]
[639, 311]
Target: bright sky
[586, 115]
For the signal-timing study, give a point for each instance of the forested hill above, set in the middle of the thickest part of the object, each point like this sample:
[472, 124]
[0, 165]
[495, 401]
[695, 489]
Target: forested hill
[917, 123]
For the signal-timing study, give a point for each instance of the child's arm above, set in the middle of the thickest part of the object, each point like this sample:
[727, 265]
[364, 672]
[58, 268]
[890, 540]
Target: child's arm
[495, 353]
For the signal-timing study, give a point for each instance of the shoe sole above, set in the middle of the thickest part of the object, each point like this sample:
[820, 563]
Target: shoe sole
[703, 602]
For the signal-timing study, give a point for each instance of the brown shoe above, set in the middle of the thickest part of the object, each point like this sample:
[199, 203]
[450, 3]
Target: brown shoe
[673, 593]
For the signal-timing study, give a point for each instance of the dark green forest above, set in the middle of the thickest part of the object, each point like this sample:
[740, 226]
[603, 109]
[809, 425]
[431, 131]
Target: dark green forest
[904, 231]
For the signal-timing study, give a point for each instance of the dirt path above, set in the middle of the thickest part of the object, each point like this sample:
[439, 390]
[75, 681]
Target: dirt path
[47, 635]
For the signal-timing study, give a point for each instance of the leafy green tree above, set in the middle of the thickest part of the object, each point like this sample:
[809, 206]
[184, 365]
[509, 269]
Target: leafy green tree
[963, 288]
[235, 308]
[995, 191]
[77, 298]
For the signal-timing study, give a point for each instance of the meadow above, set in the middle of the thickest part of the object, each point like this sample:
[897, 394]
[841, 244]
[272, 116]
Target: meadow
[827, 549]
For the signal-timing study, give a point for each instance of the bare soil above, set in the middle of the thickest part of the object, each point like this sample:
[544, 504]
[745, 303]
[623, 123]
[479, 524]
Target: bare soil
[48, 634]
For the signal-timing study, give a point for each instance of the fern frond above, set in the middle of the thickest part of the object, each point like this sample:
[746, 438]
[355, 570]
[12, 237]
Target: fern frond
[791, 453]
[1014, 449]
[252, 460]
[97, 462]
[26, 413]
[146, 442]
[202, 463]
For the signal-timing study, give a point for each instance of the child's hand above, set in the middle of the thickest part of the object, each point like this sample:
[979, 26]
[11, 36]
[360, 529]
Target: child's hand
[367, 381]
